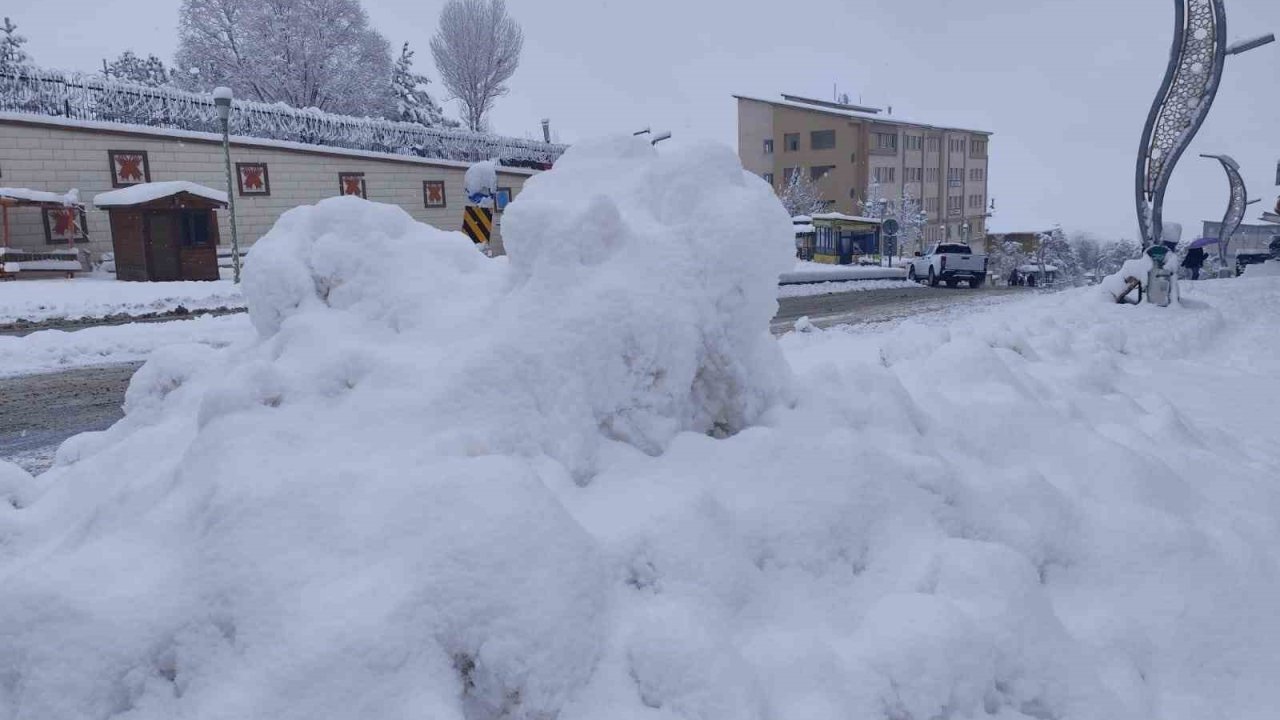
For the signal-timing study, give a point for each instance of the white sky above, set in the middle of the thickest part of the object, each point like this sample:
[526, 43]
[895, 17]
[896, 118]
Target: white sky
[1065, 86]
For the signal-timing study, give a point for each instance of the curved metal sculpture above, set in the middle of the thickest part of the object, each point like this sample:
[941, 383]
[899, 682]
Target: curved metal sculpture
[1235, 206]
[1190, 85]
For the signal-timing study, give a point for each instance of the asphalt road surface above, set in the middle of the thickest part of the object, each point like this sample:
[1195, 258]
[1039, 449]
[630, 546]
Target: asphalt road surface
[38, 412]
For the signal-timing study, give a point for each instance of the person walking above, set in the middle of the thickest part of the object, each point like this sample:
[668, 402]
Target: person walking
[1194, 261]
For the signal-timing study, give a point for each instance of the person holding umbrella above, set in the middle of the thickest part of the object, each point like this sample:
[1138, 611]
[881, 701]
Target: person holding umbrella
[1196, 256]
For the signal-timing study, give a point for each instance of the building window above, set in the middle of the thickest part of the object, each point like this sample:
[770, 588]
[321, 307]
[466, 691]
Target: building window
[915, 142]
[975, 201]
[884, 174]
[979, 148]
[955, 204]
[931, 175]
[822, 139]
[934, 144]
[887, 141]
[931, 205]
[977, 174]
[768, 146]
[768, 177]
[129, 167]
[956, 146]
[955, 177]
[853, 159]
[791, 142]
[252, 180]
[787, 174]
[352, 183]
[914, 174]
[433, 194]
[817, 171]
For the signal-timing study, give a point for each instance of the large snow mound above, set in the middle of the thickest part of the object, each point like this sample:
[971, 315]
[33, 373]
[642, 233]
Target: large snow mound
[584, 483]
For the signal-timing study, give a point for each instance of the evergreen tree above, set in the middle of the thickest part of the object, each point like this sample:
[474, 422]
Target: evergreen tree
[12, 56]
[150, 71]
[413, 103]
[1052, 248]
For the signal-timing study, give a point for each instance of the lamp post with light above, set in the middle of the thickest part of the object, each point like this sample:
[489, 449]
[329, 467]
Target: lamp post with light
[222, 99]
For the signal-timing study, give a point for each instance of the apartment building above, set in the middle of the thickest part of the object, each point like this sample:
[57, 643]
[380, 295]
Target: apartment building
[852, 152]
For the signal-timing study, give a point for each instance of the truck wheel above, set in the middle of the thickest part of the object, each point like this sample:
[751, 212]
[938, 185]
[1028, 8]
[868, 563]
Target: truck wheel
[933, 279]
[977, 282]
[953, 283]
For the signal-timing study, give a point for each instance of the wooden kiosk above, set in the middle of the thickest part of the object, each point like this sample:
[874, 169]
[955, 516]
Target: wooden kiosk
[164, 231]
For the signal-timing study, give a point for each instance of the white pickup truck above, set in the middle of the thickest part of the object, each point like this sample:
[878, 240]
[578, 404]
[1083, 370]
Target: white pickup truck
[949, 263]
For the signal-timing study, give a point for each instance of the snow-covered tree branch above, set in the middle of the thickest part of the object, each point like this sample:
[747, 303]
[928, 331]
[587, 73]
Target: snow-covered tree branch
[12, 56]
[800, 194]
[304, 53]
[414, 103]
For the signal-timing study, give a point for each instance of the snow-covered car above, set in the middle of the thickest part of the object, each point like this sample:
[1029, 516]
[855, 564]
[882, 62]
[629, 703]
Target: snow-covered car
[949, 263]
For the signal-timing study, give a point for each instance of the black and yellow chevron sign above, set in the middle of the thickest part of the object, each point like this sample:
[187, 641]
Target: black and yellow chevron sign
[477, 223]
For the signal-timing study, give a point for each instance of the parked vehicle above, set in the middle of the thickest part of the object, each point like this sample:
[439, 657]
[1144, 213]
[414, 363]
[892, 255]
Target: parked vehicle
[950, 263]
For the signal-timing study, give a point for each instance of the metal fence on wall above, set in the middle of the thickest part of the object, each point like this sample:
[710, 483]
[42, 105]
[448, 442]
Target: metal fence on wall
[85, 97]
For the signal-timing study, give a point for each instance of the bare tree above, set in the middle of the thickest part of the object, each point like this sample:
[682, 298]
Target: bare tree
[477, 49]
[304, 53]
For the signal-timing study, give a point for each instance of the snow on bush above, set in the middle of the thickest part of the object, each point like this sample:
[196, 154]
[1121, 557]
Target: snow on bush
[564, 486]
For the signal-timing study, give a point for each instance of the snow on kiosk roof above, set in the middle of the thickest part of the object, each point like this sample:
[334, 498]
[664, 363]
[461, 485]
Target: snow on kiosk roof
[150, 192]
[13, 197]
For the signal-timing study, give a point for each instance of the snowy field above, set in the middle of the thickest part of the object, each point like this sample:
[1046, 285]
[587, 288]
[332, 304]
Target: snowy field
[53, 350]
[94, 296]
[586, 483]
[829, 288]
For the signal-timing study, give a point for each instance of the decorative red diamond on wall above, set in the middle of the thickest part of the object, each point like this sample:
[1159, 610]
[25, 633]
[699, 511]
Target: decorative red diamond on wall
[130, 167]
[65, 223]
[435, 194]
[351, 185]
[251, 177]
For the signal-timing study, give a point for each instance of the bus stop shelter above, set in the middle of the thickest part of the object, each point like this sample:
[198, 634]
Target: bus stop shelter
[839, 238]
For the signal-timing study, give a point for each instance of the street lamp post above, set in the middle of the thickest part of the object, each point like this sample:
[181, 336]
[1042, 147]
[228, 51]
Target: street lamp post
[222, 99]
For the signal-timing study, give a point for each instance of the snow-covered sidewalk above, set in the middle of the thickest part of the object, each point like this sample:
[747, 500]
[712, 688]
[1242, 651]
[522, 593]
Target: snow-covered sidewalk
[830, 288]
[808, 272]
[99, 296]
[53, 350]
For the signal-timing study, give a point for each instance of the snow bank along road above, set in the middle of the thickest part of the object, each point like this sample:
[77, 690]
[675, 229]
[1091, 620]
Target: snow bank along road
[39, 411]
[587, 483]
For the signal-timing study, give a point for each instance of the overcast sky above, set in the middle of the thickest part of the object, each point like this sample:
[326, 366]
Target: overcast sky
[1065, 86]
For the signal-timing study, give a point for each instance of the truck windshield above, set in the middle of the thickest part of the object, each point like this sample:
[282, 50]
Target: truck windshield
[954, 250]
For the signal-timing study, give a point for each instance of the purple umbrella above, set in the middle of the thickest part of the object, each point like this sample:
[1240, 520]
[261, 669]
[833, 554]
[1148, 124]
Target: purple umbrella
[1202, 242]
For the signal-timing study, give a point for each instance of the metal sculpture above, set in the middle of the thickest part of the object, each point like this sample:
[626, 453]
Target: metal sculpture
[1235, 206]
[1190, 85]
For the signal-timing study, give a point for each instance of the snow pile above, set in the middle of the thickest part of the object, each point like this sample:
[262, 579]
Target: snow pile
[443, 486]
[808, 272]
[103, 296]
[354, 515]
[481, 179]
[1112, 286]
[1270, 268]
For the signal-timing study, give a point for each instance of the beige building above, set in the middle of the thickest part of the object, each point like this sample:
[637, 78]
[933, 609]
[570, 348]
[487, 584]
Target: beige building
[56, 155]
[851, 151]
